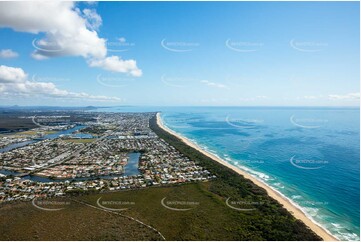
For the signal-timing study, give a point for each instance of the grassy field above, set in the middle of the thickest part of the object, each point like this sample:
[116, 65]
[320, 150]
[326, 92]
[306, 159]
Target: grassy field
[33, 132]
[20, 120]
[208, 217]
[23, 221]
[12, 122]
[28, 132]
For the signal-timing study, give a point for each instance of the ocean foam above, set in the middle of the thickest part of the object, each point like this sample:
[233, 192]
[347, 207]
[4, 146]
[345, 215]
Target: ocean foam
[311, 213]
[294, 197]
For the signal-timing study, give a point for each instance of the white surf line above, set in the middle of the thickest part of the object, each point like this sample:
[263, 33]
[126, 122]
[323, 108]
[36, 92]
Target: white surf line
[286, 202]
[122, 215]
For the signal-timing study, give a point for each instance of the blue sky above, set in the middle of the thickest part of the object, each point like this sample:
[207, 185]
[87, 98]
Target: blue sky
[181, 53]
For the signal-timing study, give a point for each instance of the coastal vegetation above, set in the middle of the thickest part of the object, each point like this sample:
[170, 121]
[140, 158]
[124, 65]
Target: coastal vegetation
[225, 206]
[271, 221]
[208, 219]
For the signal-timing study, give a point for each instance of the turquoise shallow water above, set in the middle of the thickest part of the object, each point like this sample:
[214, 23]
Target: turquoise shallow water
[310, 155]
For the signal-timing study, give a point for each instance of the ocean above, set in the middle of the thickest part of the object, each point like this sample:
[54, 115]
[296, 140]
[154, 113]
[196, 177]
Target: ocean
[311, 155]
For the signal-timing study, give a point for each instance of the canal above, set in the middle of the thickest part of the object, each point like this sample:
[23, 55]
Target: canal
[130, 169]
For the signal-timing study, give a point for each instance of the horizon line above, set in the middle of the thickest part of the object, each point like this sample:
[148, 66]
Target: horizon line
[215, 106]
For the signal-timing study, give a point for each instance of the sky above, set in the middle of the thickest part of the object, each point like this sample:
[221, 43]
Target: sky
[180, 53]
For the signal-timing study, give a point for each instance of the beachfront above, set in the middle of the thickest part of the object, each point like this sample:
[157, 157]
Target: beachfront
[295, 211]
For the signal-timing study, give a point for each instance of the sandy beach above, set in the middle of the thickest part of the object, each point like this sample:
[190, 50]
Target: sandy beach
[296, 212]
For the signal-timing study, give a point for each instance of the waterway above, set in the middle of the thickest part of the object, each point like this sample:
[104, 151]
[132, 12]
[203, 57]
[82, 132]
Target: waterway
[130, 169]
[48, 136]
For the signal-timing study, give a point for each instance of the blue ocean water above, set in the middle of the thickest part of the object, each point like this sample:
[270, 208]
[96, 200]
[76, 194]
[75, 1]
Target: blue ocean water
[309, 155]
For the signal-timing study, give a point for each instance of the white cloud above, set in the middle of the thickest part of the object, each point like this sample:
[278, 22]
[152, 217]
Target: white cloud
[38, 56]
[68, 30]
[64, 28]
[14, 82]
[93, 19]
[116, 64]
[349, 96]
[12, 75]
[8, 53]
[213, 84]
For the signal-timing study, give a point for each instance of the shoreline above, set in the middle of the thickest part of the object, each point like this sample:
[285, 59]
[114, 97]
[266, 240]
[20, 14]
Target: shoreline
[295, 211]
